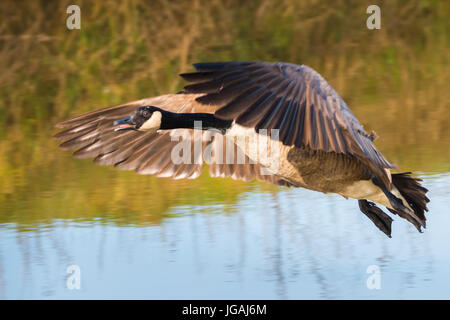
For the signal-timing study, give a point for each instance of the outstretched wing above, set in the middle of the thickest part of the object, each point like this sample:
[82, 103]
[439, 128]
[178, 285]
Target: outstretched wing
[294, 99]
[93, 136]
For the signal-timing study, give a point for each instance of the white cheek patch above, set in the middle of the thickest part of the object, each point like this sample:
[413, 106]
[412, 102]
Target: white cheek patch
[154, 123]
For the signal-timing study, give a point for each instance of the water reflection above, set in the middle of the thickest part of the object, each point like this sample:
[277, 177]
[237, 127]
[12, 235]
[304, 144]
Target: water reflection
[289, 244]
[143, 237]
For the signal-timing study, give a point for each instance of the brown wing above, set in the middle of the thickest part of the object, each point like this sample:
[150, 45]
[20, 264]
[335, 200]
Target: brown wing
[294, 99]
[93, 135]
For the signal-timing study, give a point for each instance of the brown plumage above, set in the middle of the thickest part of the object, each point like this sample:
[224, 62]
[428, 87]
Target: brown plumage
[295, 99]
[323, 146]
[93, 135]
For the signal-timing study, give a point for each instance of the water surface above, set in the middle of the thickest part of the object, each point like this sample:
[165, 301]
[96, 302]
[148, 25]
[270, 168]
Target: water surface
[140, 237]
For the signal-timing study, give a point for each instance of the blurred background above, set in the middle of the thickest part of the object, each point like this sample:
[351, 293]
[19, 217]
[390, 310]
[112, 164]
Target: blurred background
[145, 237]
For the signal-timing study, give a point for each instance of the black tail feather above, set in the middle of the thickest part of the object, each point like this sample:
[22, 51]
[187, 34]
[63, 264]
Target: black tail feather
[410, 188]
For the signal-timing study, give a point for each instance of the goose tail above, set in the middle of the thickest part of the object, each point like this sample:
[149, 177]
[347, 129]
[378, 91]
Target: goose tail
[415, 194]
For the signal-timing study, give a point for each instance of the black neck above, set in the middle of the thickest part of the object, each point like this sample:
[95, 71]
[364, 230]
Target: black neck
[208, 121]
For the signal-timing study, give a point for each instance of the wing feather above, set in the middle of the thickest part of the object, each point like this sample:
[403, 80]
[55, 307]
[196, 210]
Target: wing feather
[92, 135]
[294, 99]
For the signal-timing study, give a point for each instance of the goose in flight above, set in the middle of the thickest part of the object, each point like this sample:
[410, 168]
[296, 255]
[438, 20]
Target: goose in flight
[229, 106]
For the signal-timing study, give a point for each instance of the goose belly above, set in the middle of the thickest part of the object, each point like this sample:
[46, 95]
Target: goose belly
[326, 172]
[365, 189]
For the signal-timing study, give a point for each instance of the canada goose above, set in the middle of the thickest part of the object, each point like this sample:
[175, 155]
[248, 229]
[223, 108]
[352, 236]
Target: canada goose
[321, 144]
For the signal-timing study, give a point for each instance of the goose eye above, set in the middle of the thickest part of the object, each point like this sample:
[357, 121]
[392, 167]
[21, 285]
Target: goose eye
[146, 113]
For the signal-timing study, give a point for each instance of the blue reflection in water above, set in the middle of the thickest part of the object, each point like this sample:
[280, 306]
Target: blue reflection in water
[288, 244]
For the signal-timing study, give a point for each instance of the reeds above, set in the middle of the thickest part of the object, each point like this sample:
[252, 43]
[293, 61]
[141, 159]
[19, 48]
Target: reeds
[396, 79]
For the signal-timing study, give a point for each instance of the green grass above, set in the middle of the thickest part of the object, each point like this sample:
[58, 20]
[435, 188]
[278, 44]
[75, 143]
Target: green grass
[394, 79]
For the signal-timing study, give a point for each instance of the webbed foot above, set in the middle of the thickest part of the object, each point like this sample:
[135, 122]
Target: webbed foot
[377, 216]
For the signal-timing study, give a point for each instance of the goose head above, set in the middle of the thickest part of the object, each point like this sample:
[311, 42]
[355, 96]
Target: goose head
[146, 118]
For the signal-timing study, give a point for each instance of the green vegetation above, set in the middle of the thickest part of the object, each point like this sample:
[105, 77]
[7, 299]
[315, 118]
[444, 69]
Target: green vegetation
[396, 80]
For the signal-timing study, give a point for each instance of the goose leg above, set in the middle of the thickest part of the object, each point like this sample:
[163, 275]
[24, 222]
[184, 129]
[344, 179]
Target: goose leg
[399, 208]
[396, 203]
[377, 216]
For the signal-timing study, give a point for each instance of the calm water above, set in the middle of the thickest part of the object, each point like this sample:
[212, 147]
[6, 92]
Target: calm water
[137, 236]
[275, 244]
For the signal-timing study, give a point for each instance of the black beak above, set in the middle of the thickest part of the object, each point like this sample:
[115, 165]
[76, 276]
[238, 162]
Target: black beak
[124, 124]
